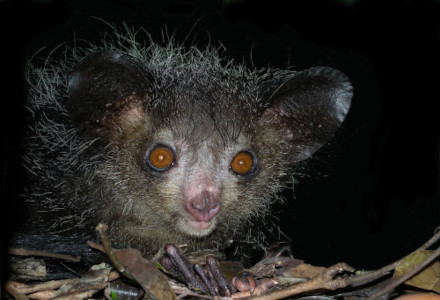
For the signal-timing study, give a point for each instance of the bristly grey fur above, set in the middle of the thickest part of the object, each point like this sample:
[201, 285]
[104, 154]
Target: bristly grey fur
[200, 98]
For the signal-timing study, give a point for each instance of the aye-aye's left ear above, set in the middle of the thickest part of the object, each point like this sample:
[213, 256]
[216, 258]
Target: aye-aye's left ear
[308, 109]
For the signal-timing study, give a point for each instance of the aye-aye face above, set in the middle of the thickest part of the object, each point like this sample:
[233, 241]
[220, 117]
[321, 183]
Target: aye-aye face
[195, 155]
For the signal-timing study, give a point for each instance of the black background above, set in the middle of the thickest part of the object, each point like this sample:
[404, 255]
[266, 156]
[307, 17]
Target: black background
[368, 198]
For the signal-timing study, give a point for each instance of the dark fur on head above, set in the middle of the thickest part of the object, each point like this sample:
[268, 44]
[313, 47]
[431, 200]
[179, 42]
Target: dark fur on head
[99, 112]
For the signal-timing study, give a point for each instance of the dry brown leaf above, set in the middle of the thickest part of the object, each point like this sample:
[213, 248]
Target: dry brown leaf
[145, 273]
[428, 279]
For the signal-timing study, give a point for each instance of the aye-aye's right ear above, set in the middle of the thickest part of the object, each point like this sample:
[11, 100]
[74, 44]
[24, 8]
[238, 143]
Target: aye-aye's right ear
[107, 95]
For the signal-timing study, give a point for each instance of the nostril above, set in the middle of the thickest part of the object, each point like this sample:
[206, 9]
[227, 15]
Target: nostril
[214, 210]
[201, 205]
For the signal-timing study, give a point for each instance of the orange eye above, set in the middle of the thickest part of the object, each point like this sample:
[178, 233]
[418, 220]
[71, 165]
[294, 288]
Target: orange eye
[242, 163]
[161, 158]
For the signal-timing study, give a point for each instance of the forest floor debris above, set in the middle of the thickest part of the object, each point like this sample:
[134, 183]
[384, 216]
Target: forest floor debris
[278, 278]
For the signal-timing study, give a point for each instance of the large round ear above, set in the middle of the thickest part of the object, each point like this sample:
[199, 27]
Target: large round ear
[107, 95]
[308, 109]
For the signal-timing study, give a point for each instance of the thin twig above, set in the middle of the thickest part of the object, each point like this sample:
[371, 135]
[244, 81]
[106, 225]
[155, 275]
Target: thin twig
[14, 293]
[43, 295]
[432, 240]
[49, 285]
[25, 252]
[102, 230]
[367, 277]
[323, 281]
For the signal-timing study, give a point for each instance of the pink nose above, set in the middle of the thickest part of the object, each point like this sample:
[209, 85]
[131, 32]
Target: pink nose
[203, 207]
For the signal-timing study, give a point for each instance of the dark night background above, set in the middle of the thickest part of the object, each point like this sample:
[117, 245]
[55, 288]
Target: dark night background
[372, 195]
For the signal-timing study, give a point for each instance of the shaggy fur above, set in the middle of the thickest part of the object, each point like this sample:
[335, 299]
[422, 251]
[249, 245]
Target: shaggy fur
[99, 111]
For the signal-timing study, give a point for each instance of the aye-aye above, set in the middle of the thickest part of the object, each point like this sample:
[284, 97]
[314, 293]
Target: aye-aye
[167, 144]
